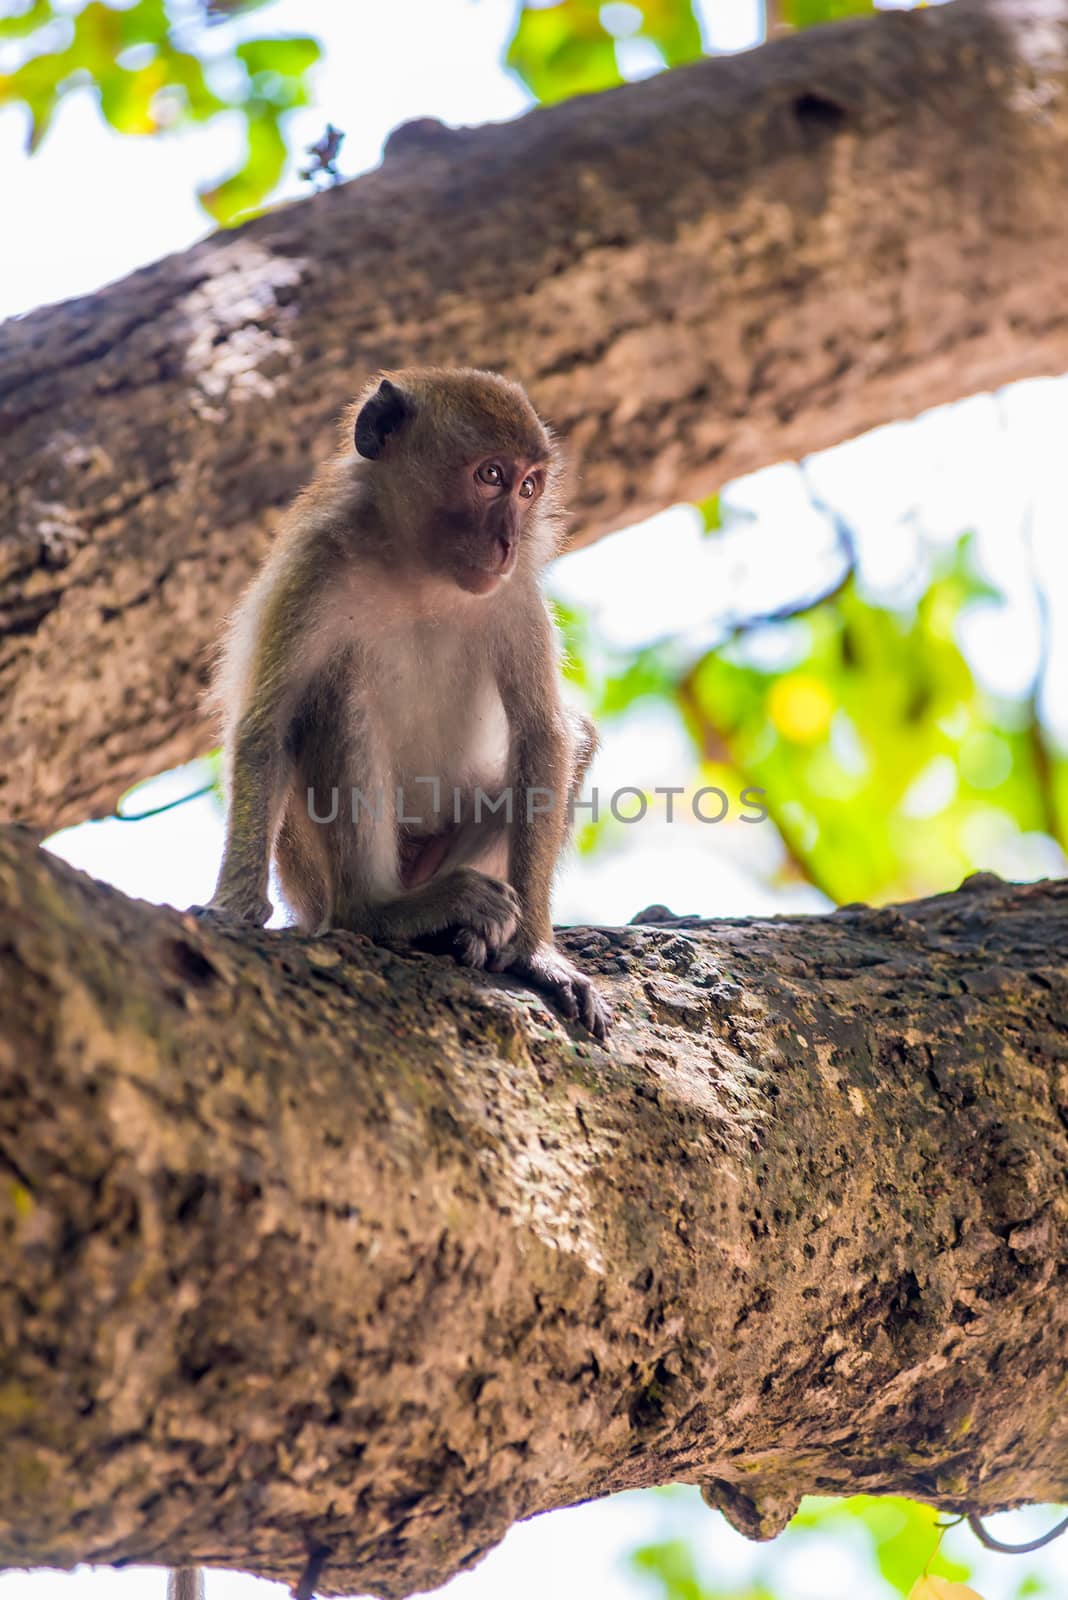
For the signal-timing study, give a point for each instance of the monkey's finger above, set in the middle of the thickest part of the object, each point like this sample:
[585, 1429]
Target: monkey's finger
[593, 1017]
[470, 948]
[602, 1020]
[566, 999]
[587, 1008]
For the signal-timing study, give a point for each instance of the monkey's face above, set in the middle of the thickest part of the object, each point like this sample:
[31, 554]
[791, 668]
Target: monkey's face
[461, 463]
[478, 532]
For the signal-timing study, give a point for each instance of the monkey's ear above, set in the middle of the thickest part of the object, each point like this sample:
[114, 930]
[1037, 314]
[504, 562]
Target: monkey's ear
[388, 409]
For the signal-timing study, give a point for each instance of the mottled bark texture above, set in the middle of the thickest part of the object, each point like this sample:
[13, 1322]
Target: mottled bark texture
[314, 1250]
[732, 264]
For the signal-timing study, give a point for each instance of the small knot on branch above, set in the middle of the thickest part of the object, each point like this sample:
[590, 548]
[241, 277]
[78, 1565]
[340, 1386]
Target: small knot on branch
[758, 1516]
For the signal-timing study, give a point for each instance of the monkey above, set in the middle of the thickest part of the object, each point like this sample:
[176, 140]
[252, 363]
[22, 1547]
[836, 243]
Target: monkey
[394, 732]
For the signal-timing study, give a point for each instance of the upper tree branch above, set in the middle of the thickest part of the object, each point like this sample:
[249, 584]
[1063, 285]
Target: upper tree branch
[734, 263]
[305, 1245]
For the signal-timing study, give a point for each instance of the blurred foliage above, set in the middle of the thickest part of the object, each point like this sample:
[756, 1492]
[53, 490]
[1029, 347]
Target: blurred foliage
[151, 68]
[572, 47]
[879, 725]
[155, 65]
[894, 1537]
[576, 46]
[889, 771]
[809, 13]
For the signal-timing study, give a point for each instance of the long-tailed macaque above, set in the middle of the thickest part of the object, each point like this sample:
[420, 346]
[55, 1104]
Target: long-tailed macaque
[393, 724]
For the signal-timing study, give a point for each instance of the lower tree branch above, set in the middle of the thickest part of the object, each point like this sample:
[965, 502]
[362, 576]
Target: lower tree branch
[311, 1246]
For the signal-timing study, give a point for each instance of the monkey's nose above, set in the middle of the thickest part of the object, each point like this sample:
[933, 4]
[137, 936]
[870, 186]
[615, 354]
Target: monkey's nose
[504, 553]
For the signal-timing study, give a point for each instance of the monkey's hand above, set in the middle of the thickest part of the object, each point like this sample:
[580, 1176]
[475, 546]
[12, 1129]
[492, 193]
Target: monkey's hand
[254, 912]
[483, 916]
[571, 991]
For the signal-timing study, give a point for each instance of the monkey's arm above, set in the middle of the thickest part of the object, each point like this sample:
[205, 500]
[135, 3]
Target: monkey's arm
[252, 815]
[279, 665]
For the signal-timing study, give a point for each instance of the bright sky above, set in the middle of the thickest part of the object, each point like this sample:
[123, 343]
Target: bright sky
[91, 207]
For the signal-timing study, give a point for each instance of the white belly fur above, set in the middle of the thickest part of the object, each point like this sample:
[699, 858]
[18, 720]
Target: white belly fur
[441, 718]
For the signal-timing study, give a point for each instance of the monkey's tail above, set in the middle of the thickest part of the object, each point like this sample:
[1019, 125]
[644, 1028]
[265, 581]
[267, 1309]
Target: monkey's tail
[185, 1583]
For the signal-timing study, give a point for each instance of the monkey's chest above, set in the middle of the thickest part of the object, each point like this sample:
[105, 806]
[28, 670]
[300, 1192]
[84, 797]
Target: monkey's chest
[443, 725]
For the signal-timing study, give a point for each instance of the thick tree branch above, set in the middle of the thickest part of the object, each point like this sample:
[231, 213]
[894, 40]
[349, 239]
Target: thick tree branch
[309, 1245]
[735, 263]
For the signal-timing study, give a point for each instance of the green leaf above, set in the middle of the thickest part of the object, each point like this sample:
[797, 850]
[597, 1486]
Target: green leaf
[672, 26]
[289, 57]
[20, 23]
[672, 1564]
[563, 50]
[36, 86]
[810, 13]
[185, 74]
[247, 188]
[711, 514]
[98, 39]
[127, 99]
[146, 22]
[652, 672]
[166, 87]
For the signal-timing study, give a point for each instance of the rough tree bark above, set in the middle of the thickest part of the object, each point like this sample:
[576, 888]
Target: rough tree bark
[311, 1247]
[736, 263]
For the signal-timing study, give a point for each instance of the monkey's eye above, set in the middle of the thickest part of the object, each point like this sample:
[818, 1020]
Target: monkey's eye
[528, 488]
[490, 473]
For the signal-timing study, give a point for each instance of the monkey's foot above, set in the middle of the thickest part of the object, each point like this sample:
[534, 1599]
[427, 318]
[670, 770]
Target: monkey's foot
[570, 990]
[482, 918]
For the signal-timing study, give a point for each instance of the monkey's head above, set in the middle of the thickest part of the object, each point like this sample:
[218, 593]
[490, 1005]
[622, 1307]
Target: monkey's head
[463, 471]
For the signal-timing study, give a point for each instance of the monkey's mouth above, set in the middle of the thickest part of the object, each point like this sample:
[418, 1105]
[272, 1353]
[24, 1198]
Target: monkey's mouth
[484, 577]
[480, 580]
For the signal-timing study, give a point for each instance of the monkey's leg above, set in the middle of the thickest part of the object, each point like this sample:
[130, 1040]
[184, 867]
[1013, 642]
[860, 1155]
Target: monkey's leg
[185, 1583]
[303, 868]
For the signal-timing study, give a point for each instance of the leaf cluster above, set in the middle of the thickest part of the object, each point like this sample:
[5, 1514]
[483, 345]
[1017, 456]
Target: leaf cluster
[153, 67]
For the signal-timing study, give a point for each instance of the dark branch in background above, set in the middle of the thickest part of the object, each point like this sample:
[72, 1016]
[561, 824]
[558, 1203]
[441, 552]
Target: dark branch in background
[714, 744]
[975, 1523]
[309, 1245]
[696, 275]
[121, 815]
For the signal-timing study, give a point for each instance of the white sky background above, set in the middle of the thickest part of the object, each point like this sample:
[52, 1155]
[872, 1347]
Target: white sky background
[91, 206]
